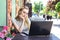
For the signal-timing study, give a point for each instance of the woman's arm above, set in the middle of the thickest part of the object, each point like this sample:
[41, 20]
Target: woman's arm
[21, 28]
[16, 26]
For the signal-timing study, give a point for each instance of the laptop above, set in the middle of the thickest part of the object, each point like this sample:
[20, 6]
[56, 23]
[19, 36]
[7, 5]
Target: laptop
[40, 28]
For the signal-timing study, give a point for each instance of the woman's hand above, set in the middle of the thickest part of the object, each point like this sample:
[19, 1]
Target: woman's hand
[22, 18]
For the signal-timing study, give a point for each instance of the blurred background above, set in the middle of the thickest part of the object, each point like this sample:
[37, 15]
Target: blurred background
[44, 9]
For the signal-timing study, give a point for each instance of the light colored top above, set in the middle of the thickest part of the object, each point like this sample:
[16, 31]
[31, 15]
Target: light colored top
[19, 23]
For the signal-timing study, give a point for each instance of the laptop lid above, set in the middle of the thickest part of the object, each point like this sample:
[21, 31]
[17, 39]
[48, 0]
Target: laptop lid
[40, 28]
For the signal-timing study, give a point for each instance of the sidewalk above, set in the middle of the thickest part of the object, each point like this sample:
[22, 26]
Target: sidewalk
[56, 28]
[56, 21]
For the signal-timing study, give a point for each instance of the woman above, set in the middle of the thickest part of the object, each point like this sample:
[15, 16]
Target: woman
[22, 22]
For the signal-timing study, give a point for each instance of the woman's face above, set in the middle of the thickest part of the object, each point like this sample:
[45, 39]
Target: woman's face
[24, 13]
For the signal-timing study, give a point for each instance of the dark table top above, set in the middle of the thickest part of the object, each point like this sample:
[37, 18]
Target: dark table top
[40, 37]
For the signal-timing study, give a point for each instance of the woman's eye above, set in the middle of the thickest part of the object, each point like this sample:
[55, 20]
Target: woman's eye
[23, 12]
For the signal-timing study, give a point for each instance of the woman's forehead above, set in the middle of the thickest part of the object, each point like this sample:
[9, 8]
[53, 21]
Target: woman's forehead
[26, 10]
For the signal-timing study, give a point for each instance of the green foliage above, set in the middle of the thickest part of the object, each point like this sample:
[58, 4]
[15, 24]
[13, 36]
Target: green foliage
[57, 7]
[59, 17]
[37, 7]
[9, 35]
[53, 14]
[1, 39]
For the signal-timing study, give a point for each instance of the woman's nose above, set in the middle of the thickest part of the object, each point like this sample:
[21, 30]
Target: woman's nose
[23, 15]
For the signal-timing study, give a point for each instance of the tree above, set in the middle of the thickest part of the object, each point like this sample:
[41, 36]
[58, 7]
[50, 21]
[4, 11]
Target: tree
[57, 7]
[38, 6]
[52, 4]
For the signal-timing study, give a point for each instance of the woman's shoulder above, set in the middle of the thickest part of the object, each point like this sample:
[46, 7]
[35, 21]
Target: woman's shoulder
[14, 20]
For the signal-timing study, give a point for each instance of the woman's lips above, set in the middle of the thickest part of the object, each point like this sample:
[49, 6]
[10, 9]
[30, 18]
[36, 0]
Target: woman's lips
[24, 16]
